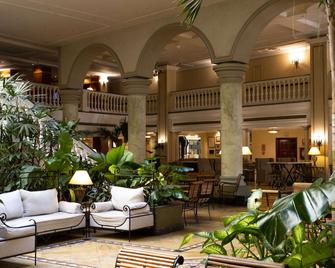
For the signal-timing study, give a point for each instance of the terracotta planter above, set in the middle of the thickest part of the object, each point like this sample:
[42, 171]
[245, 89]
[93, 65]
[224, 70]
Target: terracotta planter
[168, 218]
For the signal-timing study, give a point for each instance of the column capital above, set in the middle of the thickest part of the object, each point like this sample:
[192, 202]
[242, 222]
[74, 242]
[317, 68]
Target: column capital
[135, 86]
[231, 71]
[71, 95]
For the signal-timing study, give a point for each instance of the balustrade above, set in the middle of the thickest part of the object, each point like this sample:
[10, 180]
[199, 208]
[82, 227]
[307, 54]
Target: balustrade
[45, 94]
[283, 90]
[276, 91]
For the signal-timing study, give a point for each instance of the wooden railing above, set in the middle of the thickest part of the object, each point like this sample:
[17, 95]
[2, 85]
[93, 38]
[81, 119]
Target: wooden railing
[276, 91]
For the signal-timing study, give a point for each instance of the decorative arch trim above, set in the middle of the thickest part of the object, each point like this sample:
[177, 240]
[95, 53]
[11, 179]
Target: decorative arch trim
[83, 60]
[158, 40]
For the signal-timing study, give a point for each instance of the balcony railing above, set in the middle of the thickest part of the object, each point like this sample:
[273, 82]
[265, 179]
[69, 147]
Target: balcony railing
[45, 94]
[283, 90]
[102, 102]
[197, 99]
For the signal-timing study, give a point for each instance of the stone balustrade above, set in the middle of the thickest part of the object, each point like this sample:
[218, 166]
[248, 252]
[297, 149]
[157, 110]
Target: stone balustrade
[291, 89]
[283, 90]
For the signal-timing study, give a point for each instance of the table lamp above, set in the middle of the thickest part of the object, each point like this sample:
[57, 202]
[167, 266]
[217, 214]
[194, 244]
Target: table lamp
[314, 151]
[246, 150]
[82, 179]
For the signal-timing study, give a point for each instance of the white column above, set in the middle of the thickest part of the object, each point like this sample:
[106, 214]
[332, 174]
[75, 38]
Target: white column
[231, 75]
[136, 89]
[70, 99]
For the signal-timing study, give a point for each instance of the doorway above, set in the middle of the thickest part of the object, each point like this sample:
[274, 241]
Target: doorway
[286, 149]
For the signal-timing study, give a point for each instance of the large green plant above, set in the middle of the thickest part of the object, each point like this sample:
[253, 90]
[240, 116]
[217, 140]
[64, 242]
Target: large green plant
[27, 134]
[108, 169]
[159, 182]
[279, 233]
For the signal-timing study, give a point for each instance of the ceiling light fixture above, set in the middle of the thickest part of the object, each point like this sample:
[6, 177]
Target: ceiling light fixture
[273, 131]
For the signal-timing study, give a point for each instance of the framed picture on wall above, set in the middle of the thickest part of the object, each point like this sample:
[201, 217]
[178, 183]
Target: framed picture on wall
[217, 139]
[211, 142]
[211, 151]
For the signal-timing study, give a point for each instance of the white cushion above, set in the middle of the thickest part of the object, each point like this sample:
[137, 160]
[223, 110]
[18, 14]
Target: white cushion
[122, 196]
[12, 205]
[39, 202]
[69, 207]
[102, 206]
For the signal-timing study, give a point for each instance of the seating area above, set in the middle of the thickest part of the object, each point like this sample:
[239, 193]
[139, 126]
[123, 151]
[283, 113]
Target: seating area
[170, 133]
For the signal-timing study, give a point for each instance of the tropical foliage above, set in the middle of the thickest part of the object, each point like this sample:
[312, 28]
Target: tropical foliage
[35, 150]
[279, 234]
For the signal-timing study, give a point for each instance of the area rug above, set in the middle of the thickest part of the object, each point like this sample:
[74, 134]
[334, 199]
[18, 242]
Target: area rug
[101, 253]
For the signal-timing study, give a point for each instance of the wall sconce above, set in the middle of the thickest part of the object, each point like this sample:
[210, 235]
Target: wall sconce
[296, 56]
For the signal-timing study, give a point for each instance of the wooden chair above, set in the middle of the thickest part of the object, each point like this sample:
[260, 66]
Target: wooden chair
[137, 257]
[206, 193]
[214, 260]
[191, 203]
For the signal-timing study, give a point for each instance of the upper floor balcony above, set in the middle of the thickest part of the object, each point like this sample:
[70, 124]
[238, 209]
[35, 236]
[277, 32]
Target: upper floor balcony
[277, 91]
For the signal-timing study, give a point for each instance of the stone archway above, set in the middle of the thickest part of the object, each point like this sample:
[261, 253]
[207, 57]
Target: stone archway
[247, 36]
[82, 63]
[158, 40]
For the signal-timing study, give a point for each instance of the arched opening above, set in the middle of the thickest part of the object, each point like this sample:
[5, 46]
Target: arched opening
[159, 40]
[277, 42]
[96, 60]
[172, 56]
[98, 70]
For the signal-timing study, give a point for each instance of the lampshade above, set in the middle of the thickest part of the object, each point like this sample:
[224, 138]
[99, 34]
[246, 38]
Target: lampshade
[246, 150]
[81, 177]
[314, 151]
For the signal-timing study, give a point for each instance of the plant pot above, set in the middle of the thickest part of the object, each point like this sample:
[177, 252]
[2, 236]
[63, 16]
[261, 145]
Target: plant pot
[168, 218]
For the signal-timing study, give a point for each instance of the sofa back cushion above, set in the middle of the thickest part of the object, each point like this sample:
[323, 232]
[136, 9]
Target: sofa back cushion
[39, 202]
[122, 196]
[12, 205]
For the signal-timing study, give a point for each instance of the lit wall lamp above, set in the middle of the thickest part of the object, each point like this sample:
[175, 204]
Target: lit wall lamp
[296, 56]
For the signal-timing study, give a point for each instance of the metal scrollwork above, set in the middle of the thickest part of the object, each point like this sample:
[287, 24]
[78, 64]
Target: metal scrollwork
[3, 217]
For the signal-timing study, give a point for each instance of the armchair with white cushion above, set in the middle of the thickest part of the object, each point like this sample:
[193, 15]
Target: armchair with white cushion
[126, 211]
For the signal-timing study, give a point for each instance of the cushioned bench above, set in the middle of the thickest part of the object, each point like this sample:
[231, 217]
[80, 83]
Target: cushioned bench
[136, 257]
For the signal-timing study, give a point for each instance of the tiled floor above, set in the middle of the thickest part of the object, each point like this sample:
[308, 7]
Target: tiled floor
[101, 250]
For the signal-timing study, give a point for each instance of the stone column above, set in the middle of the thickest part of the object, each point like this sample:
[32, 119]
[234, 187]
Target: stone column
[136, 89]
[70, 99]
[231, 75]
[166, 84]
[320, 94]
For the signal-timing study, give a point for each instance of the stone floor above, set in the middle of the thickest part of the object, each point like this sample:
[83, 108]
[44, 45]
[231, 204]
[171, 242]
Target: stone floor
[70, 250]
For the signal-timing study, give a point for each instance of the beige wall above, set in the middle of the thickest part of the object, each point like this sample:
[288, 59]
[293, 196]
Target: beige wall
[196, 78]
[277, 66]
[271, 67]
[260, 137]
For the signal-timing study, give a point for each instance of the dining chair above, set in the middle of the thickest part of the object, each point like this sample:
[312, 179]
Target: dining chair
[206, 193]
[193, 195]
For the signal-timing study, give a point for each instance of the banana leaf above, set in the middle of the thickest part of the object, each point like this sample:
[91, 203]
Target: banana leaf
[306, 206]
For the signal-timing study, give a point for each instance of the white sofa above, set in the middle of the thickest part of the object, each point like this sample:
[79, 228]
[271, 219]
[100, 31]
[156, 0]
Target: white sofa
[25, 214]
[126, 211]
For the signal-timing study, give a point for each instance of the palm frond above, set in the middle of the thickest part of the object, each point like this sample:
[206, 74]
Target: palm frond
[190, 9]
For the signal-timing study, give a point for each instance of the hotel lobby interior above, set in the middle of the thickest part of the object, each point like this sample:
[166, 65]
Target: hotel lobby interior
[130, 137]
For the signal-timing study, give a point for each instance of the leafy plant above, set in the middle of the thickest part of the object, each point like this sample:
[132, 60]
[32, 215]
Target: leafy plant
[108, 170]
[159, 182]
[279, 233]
